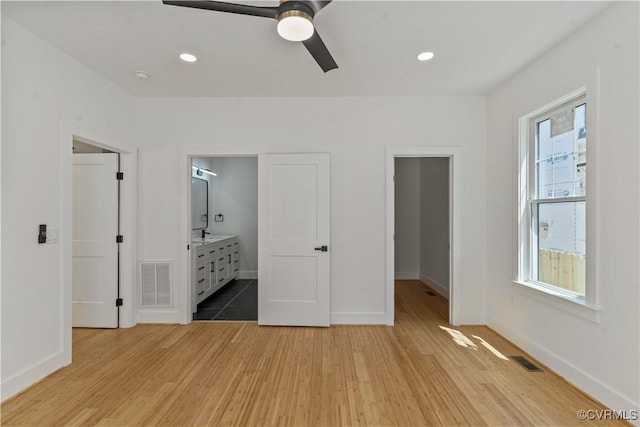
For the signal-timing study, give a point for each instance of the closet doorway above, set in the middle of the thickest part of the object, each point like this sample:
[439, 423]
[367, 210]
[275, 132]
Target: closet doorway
[95, 250]
[423, 223]
[422, 231]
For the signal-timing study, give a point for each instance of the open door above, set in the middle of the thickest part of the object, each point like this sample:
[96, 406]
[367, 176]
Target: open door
[95, 251]
[293, 239]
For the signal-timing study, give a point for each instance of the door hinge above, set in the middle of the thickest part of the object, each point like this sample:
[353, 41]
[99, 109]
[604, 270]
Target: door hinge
[118, 302]
[119, 238]
[119, 176]
[188, 247]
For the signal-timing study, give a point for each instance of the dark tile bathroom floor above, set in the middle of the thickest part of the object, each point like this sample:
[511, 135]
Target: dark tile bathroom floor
[237, 300]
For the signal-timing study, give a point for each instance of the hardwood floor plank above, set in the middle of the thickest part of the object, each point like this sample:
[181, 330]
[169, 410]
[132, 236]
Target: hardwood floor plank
[421, 372]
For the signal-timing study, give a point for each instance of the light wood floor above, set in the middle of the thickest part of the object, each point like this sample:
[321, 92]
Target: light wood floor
[236, 373]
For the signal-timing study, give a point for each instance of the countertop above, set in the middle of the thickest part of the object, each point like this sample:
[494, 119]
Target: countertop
[210, 239]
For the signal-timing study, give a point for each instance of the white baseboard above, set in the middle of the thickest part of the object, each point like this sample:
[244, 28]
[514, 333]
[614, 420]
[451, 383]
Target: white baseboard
[158, 316]
[582, 380]
[20, 381]
[406, 276]
[252, 275]
[342, 318]
[442, 290]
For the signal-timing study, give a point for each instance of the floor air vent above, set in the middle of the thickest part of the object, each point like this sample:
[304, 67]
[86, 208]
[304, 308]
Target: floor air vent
[155, 282]
[525, 363]
[430, 293]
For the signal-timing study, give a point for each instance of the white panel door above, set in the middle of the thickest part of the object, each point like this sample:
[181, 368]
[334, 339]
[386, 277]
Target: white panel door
[293, 226]
[95, 251]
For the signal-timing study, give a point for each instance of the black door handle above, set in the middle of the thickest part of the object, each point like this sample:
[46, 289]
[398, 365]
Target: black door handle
[323, 248]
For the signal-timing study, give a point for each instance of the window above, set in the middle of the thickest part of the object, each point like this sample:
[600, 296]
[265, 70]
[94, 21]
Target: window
[553, 203]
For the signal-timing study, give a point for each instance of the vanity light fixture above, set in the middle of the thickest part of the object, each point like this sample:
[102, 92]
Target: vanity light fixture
[199, 171]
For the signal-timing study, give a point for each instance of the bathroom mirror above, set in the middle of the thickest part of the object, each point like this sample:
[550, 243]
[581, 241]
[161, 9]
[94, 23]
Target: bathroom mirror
[199, 203]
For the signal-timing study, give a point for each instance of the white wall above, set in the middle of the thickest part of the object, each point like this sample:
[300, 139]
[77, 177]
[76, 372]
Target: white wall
[235, 195]
[407, 218]
[42, 88]
[434, 223]
[355, 132]
[601, 358]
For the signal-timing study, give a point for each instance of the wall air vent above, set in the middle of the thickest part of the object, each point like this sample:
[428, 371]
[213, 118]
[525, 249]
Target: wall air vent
[155, 283]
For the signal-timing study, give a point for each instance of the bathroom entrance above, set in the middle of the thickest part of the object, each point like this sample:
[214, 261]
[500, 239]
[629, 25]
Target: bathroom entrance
[292, 260]
[224, 236]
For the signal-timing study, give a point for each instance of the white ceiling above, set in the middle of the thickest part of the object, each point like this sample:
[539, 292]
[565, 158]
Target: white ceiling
[478, 45]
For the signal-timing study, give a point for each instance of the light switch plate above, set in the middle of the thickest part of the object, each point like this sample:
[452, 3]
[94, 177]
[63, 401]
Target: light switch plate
[52, 235]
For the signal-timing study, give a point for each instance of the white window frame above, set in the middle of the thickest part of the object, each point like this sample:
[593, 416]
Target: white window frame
[584, 306]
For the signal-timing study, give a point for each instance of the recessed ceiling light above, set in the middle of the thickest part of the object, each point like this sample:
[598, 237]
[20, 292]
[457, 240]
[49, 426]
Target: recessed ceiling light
[425, 56]
[188, 57]
[142, 75]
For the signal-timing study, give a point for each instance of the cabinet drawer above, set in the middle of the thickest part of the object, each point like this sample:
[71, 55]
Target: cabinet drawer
[222, 272]
[205, 251]
[201, 285]
[201, 268]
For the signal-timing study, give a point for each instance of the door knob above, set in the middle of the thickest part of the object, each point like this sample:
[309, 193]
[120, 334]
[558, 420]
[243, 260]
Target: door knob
[323, 248]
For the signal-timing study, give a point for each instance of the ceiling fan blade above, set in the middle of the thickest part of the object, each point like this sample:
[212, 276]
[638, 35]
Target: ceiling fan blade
[219, 6]
[320, 53]
[318, 5]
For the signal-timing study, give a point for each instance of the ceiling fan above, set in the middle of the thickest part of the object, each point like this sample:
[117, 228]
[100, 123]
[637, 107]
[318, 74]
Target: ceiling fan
[295, 22]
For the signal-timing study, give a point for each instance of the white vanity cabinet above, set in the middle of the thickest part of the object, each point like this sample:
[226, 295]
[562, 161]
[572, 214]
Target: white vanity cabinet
[215, 262]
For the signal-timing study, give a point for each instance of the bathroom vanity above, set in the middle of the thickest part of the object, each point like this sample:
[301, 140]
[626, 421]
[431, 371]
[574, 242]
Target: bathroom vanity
[215, 261]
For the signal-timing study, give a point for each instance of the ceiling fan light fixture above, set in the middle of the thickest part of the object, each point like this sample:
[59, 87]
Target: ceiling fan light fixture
[295, 25]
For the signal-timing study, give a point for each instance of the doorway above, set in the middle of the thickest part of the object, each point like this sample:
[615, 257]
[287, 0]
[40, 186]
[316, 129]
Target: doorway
[224, 207]
[431, 178]
[128, 202]
[293, 234]
[95, 247]
[422, 229]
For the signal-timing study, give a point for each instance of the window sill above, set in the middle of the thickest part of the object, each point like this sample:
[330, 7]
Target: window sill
[563, 302]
